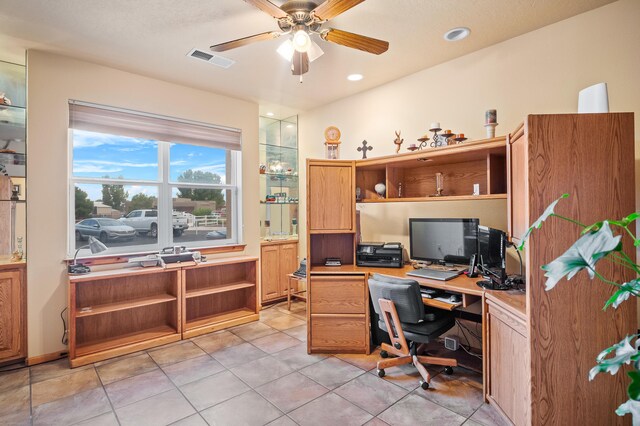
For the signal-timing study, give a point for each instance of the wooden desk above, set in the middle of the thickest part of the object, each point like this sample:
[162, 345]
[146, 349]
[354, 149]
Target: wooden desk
[513, 302]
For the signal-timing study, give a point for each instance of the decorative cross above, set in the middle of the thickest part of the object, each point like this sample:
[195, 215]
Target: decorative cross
[364, 148]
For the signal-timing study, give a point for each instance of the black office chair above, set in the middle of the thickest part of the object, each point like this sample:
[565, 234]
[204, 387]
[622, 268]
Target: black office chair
[402, 314]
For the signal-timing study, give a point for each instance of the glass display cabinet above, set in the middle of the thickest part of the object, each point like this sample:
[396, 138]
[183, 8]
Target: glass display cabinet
[12, 160]
[278, 178]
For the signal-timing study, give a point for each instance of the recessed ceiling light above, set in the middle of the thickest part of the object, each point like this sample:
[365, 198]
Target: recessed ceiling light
[457, 34]
[270, 114]
[354, 77]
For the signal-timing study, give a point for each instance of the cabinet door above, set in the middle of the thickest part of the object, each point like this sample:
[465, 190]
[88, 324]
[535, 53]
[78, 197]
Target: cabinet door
[269, 272]
[11, 316]
[288, 264]
[331, 197]
[517, 180]
[509, 382]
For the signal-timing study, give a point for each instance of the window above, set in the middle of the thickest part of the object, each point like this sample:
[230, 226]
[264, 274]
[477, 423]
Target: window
[139, 183]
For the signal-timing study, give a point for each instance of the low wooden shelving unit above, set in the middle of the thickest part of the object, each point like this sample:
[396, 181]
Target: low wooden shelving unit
[219, 295]
[115, 312]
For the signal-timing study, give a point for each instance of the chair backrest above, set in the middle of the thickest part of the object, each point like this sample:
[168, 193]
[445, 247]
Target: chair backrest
[404, 293]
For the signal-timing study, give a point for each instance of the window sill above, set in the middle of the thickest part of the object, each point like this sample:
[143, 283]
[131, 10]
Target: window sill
[124, 258]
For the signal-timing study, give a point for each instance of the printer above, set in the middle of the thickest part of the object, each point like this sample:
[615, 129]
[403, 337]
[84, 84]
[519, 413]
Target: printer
[382, 255]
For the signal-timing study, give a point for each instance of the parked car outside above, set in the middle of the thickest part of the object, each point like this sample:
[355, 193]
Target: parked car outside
[217, 235]
[146, 222]
[104, 229]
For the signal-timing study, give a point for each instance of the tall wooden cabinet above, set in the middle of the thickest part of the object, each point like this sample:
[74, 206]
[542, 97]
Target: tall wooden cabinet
[13, 313]
[591, 157]
[277, 260]
[338, 297]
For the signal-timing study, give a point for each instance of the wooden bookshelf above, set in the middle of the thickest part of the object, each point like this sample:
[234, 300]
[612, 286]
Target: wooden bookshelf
[139, 336]
[120, 311]
[128, 304]
[219, 295]
[221, 289]
[219, 318]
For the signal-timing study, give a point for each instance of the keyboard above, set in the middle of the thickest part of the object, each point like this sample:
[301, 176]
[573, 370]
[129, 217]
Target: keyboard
[434, 274]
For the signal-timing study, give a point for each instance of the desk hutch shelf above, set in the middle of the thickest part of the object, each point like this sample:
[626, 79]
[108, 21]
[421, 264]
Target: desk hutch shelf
[412, 177]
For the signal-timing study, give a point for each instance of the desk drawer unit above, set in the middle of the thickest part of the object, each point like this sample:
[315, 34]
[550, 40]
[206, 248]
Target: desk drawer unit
[338, 310]
[342, 294]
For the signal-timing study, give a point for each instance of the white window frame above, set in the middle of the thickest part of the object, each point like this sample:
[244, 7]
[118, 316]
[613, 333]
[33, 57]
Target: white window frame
[164, 190]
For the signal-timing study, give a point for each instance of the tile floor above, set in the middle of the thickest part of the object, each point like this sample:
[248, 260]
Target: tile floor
[254, 374]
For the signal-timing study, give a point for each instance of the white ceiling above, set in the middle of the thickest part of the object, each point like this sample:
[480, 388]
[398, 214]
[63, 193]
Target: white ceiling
[152, 37]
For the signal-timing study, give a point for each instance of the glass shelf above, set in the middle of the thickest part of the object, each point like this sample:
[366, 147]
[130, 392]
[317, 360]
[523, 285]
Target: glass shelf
[280, 175]
[277, 204]
[278, 149]
[13, 158]
[13, 83]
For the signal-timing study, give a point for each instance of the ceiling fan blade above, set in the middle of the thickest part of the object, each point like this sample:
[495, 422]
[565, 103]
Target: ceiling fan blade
[299, 63]
[332, 8]
[268, 7]
[355, 41]
[244, 41]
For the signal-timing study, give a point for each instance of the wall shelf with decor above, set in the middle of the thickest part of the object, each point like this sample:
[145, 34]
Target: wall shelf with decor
[477, 166]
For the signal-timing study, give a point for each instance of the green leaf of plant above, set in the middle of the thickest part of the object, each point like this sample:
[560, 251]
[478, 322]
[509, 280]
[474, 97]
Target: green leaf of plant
[584, 253]
[538, 223]
[633, 216]
[634, 387]
[592, 228]
[630, 407]
[623, 293]
[625, 353]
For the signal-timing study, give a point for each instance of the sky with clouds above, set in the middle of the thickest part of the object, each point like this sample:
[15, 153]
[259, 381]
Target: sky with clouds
[99, 155]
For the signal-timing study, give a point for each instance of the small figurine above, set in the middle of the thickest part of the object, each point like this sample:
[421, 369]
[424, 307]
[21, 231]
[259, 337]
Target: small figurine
[398, 142]
[364, 148]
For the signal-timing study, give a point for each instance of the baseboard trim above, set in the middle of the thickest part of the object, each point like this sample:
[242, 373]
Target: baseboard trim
[34, 360]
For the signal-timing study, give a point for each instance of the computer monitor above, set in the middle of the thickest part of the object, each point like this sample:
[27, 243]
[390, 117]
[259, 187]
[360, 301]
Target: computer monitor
[443, 240]
[491, 247]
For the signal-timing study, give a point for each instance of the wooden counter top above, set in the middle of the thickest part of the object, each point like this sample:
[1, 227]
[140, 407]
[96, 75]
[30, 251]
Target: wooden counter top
[513, 300]
[277, 242]
[138, 270]
[6, 263]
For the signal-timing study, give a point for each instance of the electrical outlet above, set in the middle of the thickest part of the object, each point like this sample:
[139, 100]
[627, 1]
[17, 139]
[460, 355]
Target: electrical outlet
[451, 343]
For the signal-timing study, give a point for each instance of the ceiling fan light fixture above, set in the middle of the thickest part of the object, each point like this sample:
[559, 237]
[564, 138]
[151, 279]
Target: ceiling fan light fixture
[314, 51]
[286, 50]
[457, 34]
[301, 41]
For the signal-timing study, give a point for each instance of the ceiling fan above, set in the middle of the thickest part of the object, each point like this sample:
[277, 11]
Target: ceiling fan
[302, 19]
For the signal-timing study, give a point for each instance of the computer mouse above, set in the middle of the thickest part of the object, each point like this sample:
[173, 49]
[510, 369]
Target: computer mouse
[455, 298]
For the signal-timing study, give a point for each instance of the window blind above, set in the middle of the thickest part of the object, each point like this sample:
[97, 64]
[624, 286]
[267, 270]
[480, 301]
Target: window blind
[122, 122]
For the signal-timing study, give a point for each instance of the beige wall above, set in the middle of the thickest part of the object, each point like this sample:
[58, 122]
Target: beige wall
[52, 81]
[539, 72]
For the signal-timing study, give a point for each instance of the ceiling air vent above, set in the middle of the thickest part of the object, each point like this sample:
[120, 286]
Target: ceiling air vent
[211, 58]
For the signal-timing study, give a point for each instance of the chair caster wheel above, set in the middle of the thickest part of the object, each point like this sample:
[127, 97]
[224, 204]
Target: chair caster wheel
[380, 373]
[448, 370]
[384, 354]
[424, 385]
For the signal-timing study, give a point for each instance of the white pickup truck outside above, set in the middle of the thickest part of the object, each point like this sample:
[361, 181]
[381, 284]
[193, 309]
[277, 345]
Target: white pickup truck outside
[146, 222]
